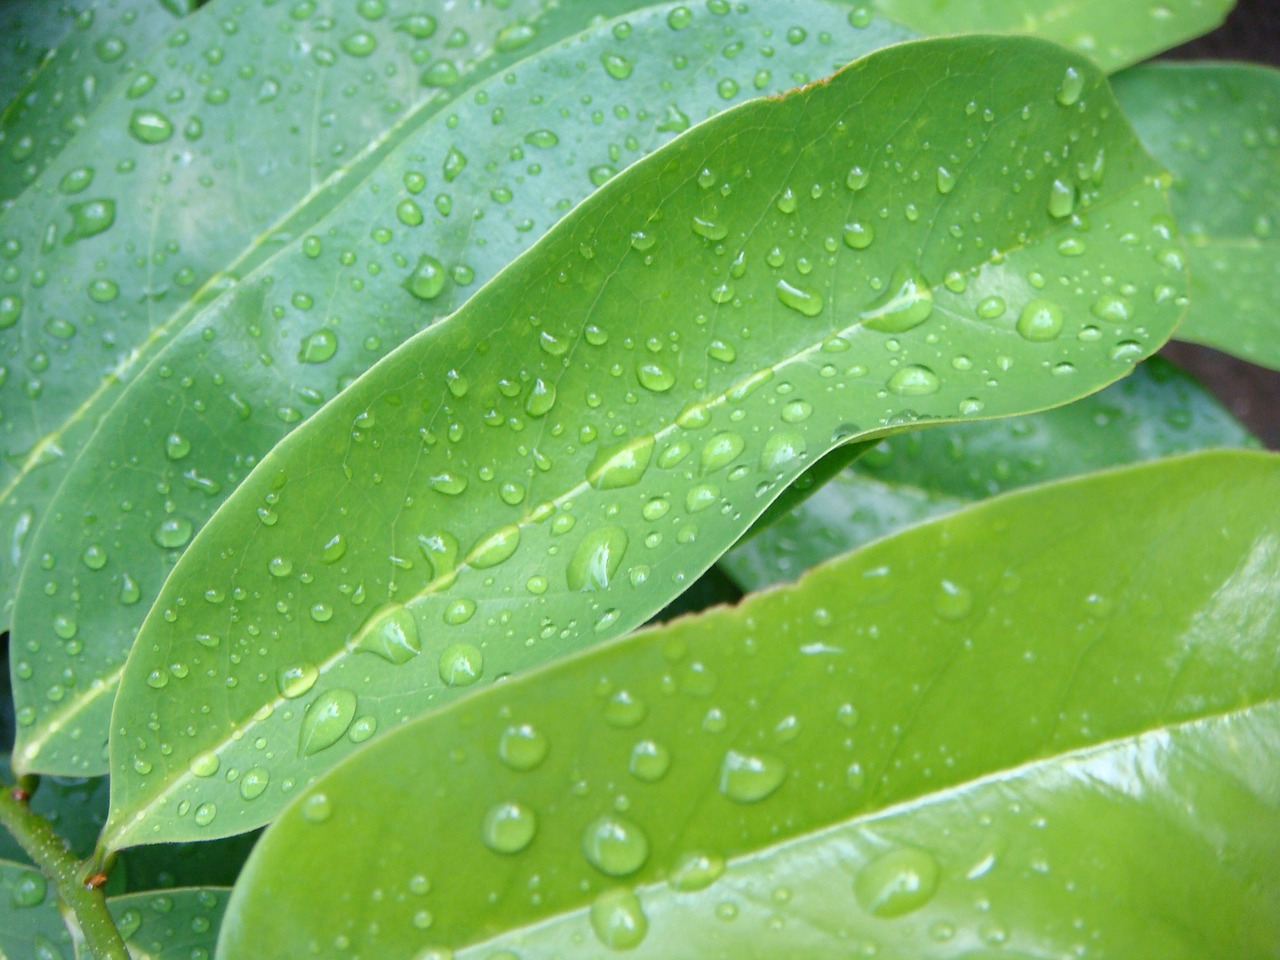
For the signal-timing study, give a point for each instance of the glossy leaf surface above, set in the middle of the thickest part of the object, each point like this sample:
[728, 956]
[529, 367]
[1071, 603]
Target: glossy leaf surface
[1115, 35]
[939, 746]
[168, 925]
[523, 479]
[404, 249]
[1217, 128]
[219, 152]
[1158, 411]
[94, 51]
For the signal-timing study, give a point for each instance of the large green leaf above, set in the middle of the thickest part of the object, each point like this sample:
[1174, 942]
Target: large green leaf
[1217, 128]
[989, 736]
[326, 306]
[172, 925]
[241, 130]
[95, 49]
[524, 478]
[29, 31]
[1158, 411]
[1114, 34]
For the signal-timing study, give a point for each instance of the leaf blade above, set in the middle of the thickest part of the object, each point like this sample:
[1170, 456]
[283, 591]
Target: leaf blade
[325, 478]
[959, 722]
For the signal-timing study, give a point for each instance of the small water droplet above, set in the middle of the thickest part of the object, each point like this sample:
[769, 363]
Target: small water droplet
[695, 871]
[1071, 87]
[509, 827]
[427, 280]
[914, 381]
[618, 920]
[597, 558]
[317, 808]
[150, 127]
[173, 532]
[615, 846]
[1062, 199]
[649, 761]
[522, 747]
[616, 65]
[953, 602]
[906, 303]
[802, 301]
[1040, 321]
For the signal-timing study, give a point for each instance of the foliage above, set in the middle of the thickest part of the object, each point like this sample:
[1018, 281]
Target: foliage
[371, 371]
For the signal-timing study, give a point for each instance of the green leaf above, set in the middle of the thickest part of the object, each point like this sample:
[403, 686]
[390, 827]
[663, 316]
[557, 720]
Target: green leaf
[1156, 412]
[522, 479]
[94, 51]
[30, 925]
[1115, 35]
[213, 863]
[258, 120]
[167, 925]
[1217, 127]
[948, 744]
[247, 368]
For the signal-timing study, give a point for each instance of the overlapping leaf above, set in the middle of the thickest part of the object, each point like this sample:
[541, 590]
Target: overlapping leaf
[525, 479]
[1115, 35]
[1158, 411]
[242, 129]
[165, 925]
[448, 209]
[1217, 128]
[985, 737]
[88, 54]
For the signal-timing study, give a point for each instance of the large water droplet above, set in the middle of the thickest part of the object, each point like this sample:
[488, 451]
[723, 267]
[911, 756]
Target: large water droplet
[318, 346]
[914, 381]
[906, 303]
[427, 280]
[148, 126]
[173, 532]
[616, 65]
[596, 560]
[495, 547]
[1071, 87]
[621, 465]
[460, 665]
[522, 747]
[1062, 199]
[802, 301]
[326, 720]
[750, 777]
[615, 846]
[90, 218]
[1040, 321]
[721, 450]
[649, 761]
[392, 634]
[896, 883]
[695, 871]
[618, 920]
[296, 679]
[509, 827]
[29, 890]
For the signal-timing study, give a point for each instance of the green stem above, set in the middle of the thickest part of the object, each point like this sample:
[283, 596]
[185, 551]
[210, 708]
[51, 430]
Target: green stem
[49, 851]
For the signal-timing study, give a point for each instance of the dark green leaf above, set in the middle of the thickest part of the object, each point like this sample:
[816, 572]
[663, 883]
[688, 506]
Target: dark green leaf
[1156, 412]
[1042, 727]
[247, 369]
[76, 806]
[30, 925]
[524, 479]
[1217, 127]
[91, 53]
[1114, 34]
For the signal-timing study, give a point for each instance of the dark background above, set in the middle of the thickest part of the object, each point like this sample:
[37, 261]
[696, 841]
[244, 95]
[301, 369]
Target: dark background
[1252, 32]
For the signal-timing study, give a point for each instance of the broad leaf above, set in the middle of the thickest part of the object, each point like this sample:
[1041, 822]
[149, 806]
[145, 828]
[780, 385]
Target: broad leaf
[245, 370]
[523, 479]
[985, 737]
[29, 31]
[1157, 412]
[1217, 128]
[1114, 34]
[219, 151]
[169, 925]
[94, 51]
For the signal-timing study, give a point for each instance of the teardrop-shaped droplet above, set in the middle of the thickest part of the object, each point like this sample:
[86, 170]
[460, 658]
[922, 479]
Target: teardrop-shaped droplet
[326, 720]
[392, 634]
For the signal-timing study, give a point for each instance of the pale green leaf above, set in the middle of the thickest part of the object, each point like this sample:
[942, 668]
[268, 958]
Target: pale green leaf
[525, 478]
[1042, 727]
[1217, 128]
[1158, 411]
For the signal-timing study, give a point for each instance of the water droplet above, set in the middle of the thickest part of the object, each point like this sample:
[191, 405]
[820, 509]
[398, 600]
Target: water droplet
[173, 532]
[94, 557]
[615, 846]
[1062, 199]
[859, 235]
[624, 710]
[130, 592]
[448, 483]
[721, 450]
[597, 558]
[334, 549]
[991, 308]
[541, 398]
[750, 777]
[495, 547]
[29, 889]
[254, 783]
[896, 883]
[326, 720]
[649, 761]
[906, 303]
[1040, 321]
[427, 280]
[1071, 87]
[616, 65]
[148, 126]
[781, 449]
[509, 827]
[90, 218]
[392, 634]
[618, 920]
[459, 610]
[317, 808]
[622, 465]
[205, 814]
[802, 301]
[946, 180]
[522, 747]
[454, 162]
[461, 665]
[204, 764]
[654, 376]
[709, 229]
[953, 602]
[358, 44]
[1112, 309]
[914, 381]
[695, 871]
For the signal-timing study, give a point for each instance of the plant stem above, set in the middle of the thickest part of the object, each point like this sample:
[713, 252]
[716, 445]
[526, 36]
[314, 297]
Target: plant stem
[49, 851]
